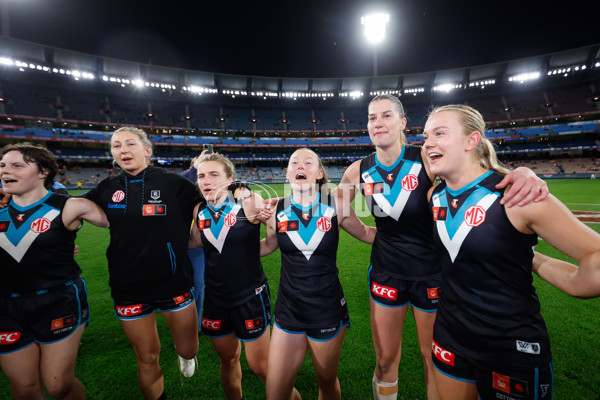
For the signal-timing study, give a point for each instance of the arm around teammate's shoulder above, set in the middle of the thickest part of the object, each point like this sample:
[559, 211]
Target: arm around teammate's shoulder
[77, 209]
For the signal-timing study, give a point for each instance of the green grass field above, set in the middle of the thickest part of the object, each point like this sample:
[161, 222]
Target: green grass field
[107, 367]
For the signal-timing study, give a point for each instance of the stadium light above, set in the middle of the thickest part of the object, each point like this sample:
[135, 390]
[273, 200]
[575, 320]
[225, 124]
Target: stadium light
[375, 32]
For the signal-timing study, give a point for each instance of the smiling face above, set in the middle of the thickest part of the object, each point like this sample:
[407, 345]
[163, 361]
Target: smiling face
[304, 169]
[447, 147]
[385, 125]
[213, 181]
[18, 176]
[129, 152]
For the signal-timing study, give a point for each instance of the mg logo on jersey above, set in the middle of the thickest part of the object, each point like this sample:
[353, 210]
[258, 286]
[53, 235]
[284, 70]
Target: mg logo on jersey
[129, 311]
[410, 182]
[384, 291]
[118, 196]
[40, 225]
[445, 356]
[212, 324]
[230, 220]
[324, 224]
[9, 337]
[475, 215]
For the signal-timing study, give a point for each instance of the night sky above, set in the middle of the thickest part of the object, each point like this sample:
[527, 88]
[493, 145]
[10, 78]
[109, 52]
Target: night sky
[310, 39]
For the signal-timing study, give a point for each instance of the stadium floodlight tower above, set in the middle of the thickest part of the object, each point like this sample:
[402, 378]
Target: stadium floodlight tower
[375, 32]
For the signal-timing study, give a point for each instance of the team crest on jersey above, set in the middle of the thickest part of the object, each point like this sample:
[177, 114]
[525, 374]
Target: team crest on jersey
[155, 194]
[118, 196]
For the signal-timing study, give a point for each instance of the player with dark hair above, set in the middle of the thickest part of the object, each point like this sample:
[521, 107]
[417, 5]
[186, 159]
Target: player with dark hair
[43, 299]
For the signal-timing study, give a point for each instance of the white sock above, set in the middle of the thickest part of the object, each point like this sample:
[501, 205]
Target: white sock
[384, 390]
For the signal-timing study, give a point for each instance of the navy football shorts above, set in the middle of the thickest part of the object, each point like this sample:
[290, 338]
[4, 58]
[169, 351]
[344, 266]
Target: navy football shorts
[47, 316]
[128, 310]
[390, 291]
[248, 320]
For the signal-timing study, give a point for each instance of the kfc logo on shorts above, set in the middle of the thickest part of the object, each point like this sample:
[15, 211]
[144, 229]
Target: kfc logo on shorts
[324, 224]
[384, 291]
[40, 225]
[410, 182]
[9, 337]
[445, 356]
[118, 196]
[475, 216]
[129, 311]
[230, 220]
[433, 293]
[212, 324]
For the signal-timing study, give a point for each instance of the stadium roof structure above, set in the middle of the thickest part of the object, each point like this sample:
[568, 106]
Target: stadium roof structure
[26, 55]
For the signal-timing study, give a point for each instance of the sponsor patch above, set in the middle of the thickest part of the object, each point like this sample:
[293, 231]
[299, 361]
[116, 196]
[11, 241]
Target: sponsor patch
[526, 347]
[154, 209]
[384, 291]
[9, 337]
[212, 324]
[118, 196]
[445, 356]
[40, 225]
[475, 215]
[510, 385]
[129, 311]
[324, 224]
[230, 220]
[409, 182]
[433, 293]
